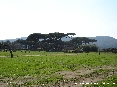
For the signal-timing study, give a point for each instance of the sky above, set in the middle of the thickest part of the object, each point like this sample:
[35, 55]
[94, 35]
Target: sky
[85, 18]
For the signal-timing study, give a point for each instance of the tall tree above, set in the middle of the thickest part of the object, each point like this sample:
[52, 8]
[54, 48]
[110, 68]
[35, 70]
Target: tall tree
[8, 47]
[51, 41]
[78, 41]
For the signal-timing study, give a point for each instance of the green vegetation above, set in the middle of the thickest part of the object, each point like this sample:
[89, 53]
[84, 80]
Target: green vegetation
[37, 68]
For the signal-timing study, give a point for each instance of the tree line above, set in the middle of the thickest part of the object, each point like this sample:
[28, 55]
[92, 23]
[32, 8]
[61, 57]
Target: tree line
[53, 42]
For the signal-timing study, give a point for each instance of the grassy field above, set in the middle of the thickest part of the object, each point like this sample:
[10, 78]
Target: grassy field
[57, 69]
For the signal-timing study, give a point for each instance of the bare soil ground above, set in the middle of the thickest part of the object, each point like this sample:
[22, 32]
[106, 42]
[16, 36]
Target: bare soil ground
[2, 56]
[31, 55]
[85, 76]
[41, 55]
[70, 78]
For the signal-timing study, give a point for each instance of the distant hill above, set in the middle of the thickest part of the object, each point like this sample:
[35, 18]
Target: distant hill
[12, 40]
[103, 42]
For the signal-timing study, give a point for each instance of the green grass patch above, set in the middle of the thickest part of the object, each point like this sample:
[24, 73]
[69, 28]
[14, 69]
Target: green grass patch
[47, 63]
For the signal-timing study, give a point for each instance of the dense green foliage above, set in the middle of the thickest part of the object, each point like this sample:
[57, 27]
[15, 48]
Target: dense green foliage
[49, 42]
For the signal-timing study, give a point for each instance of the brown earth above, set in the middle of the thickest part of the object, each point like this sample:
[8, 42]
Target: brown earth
[85, 76]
